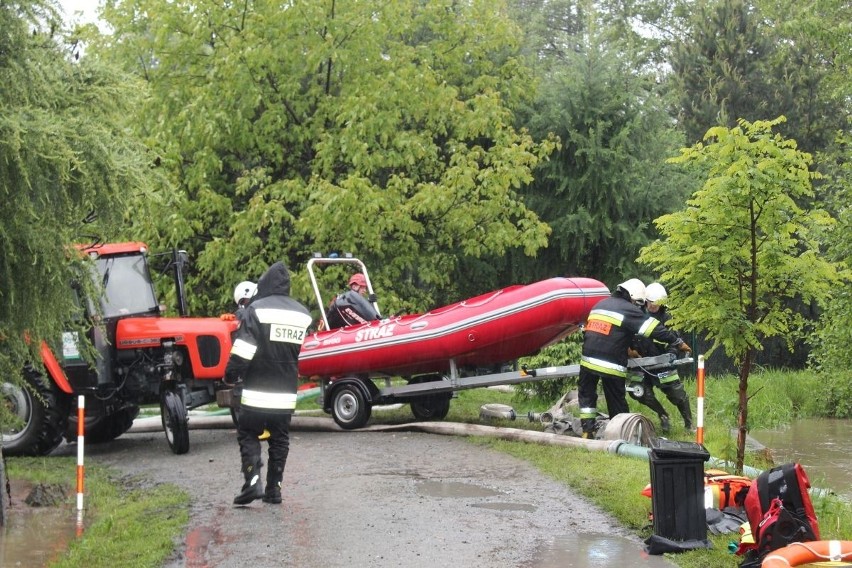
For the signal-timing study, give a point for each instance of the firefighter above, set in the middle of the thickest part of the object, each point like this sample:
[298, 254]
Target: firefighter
[608, 333]
[265, 357]
[667, 380]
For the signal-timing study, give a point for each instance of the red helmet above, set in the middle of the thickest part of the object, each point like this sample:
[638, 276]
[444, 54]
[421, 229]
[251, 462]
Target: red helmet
[358, 279]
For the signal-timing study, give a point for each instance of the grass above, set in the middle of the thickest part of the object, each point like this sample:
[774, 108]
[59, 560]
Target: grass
[136, 526]
[129, 522]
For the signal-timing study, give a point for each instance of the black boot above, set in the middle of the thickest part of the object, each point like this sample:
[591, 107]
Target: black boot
[273, 484]
[588, 426]
[252, 488]
[686, 412]
[665, 424]
[272, 494]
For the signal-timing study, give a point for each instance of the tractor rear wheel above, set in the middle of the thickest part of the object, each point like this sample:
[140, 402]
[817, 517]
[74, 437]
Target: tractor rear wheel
[101, 429]
[40, 416]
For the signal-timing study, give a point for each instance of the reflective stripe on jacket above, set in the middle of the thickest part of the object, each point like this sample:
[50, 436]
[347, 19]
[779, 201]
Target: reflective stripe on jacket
[609, 330]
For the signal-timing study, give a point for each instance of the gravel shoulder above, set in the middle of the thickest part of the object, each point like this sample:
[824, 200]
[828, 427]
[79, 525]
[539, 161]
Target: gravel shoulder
[361, 498]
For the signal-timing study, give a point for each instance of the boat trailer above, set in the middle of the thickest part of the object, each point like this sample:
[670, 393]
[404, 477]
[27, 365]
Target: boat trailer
[353, 397]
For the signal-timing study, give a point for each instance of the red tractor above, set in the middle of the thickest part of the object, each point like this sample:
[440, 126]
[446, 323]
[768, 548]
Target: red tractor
[141, 358]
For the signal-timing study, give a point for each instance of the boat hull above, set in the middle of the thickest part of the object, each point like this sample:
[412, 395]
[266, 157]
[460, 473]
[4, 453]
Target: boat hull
[489, 329]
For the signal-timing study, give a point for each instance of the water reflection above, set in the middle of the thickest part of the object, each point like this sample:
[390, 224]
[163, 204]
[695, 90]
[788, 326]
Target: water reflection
[823, 447]
[591, 550]
[35, 536]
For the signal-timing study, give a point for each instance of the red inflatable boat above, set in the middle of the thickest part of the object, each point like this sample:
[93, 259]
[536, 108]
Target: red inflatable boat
[496, 327]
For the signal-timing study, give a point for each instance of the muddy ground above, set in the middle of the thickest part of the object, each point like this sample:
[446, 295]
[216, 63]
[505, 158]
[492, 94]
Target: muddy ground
[389, 499]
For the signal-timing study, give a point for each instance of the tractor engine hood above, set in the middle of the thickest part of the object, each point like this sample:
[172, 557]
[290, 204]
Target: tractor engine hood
[207, 341]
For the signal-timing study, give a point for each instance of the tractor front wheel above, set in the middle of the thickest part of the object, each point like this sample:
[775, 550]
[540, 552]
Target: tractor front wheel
[175, 421]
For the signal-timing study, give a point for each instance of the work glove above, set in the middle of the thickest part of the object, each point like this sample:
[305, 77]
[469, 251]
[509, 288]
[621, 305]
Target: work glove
[632, 353]
[684, 348]
[227, 317]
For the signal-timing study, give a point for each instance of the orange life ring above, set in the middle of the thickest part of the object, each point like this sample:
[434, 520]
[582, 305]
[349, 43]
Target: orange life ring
[799, 553]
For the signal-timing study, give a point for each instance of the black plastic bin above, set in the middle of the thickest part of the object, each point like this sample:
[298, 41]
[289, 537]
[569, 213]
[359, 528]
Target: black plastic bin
[677, 489]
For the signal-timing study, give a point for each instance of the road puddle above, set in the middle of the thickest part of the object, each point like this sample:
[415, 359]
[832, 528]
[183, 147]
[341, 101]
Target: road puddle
[506, 506]
[454, 489]
[591, 550]
[34, 536]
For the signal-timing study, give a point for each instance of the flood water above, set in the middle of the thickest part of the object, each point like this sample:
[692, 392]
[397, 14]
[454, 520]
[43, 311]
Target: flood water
[34, 536]
[823, 447]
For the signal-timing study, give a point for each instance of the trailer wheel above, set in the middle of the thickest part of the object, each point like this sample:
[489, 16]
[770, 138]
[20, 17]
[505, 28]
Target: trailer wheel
[431, 407]
[40, 415]
[175, 421]
[349, 407]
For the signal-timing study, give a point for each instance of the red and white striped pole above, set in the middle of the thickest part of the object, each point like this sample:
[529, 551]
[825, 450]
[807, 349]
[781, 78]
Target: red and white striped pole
[699, 433]
[81, 420]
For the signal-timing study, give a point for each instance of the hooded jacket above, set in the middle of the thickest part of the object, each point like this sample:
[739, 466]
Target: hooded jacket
[610, 328]
[266, 348]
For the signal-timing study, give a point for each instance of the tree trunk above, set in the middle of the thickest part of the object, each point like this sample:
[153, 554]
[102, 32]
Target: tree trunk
[742, 410]
[4, 490]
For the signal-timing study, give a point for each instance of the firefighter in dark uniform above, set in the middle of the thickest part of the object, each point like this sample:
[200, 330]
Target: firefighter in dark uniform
[609, 331]
[265, 356]
[667, 380]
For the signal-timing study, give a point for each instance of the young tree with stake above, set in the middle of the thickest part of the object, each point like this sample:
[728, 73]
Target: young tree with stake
[743, 248]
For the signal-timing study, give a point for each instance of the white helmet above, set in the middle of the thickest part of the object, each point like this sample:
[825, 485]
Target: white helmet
[656, 294]
[635, 288]
[244, 291]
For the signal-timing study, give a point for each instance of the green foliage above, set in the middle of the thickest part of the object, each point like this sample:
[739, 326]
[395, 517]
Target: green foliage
[835, 393]
[743, 59]
[777, 397]
[743, 247]
[608, 178]
[809, 77]
[566, 352]
[831, 353]
[382, 129]
[65, 157]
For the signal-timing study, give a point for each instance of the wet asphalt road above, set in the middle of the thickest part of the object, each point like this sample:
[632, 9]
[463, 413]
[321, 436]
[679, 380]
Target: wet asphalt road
[389, 499]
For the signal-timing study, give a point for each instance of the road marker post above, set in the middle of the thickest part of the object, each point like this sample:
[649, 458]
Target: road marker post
[81, 420]
[699, 432]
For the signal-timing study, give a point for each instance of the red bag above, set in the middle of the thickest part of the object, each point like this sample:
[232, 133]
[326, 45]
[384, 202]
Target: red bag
[779, 510]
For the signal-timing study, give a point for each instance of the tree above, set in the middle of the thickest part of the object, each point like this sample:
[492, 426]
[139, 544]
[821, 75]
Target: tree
[722, 68]
[67, 166]
[743, 59]
[600, 189]
[379, 128]
[826, 26]
[743, 247]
